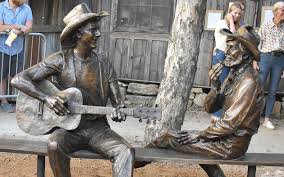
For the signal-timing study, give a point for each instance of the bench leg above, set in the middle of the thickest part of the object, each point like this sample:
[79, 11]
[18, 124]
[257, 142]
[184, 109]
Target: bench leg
[251, 171]
[40, 166]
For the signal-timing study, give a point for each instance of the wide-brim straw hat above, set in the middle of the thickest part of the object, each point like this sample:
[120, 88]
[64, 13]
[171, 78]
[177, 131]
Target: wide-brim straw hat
[76, 17]
[248, 37]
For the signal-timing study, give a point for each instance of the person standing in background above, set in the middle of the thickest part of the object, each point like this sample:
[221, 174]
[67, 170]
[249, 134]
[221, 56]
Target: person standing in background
[16, 19]
[231, 22]
[272, 57]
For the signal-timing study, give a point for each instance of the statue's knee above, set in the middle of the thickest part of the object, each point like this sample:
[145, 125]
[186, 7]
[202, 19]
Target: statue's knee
[53, 146]
[129, 151]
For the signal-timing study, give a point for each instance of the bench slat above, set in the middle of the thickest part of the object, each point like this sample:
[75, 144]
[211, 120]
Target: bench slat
[154, 155]
[23, 146]
[160, 155]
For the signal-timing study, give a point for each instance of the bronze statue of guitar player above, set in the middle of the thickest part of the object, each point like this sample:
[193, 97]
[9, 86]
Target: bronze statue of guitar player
[36, 118]
[85, 77]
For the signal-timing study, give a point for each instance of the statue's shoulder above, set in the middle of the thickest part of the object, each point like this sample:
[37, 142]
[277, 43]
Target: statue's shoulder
[59, 56]
[250, 77]
[55, 56]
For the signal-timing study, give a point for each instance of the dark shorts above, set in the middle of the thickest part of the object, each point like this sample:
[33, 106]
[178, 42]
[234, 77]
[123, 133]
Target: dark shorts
[10, 65]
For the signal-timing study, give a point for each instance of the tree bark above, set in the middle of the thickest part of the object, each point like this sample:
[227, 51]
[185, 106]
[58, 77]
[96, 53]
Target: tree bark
[180, 67]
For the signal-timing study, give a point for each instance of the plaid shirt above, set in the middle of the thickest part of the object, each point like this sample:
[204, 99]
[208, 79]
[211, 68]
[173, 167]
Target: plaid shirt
[271, 37]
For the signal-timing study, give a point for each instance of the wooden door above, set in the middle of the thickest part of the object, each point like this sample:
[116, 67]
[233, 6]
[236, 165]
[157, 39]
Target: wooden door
[139, 33]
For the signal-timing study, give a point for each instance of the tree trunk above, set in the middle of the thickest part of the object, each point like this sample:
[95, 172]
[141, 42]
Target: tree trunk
[180, 67]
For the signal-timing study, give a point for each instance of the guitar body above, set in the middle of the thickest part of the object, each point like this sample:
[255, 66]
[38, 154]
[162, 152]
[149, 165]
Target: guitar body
[35, 118]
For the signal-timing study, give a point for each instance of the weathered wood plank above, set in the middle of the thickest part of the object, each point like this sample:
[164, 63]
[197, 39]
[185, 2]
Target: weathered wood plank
[158, 56]
[53, 44]
[104, 44]
[250, 12]
[142, 36]
[121, 56]
[113, 19]
[141, 154]
[23, 146]
[129, 59]
[47, 28]
[154, 67]
[138, 59]
[147, 60]
[105, 24]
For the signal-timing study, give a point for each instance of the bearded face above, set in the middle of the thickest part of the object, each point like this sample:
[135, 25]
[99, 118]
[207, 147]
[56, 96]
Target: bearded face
[234, 53]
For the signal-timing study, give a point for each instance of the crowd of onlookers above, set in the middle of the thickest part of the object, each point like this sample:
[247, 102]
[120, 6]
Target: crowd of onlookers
[271, 34]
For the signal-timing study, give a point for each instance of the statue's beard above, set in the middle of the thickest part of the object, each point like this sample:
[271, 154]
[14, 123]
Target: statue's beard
[229, 62]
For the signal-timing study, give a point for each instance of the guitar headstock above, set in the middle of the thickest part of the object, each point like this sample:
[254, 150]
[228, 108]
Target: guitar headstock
[149, 114]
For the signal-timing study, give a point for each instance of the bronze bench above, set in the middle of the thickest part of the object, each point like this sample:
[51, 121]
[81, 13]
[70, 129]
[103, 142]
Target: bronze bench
[39, 148]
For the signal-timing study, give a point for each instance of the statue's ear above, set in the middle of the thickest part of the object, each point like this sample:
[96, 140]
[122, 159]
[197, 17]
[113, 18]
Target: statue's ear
[77, 35]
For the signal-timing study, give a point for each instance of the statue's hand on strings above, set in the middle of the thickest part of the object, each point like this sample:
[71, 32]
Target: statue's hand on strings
[117, 115]
[56, 104]
[214, 74]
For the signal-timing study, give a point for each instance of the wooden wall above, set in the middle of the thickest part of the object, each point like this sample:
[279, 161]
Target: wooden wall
[135, 55]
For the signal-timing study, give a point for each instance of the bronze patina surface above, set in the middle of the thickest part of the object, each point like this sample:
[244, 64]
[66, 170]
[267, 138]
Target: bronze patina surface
[241, 98]
[81, 67]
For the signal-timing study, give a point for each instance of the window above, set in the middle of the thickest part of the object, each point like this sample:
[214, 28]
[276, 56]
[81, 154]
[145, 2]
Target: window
[144, 15]
[211, 19]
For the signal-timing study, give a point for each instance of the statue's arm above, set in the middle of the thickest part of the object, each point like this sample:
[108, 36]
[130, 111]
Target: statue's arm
[27, 79]
[244, 98]
[214, 101]
[115, 95]
[115, 98]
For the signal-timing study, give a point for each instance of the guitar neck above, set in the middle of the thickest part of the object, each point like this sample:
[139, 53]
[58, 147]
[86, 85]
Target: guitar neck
[84, 109]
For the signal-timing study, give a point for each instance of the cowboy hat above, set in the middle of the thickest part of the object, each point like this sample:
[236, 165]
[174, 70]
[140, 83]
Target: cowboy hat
[247, 36]
[76, 17]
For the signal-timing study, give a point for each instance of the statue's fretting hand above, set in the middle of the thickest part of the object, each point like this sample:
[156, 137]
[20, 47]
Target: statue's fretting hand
[187, 137]
[117, 115]
[57, 104]
[214, 74]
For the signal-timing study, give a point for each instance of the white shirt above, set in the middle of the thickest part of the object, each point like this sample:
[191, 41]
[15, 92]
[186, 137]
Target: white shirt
[220, 39]
[271, 37]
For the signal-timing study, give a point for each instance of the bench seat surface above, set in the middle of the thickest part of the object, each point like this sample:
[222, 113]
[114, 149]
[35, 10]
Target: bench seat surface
[142, 154]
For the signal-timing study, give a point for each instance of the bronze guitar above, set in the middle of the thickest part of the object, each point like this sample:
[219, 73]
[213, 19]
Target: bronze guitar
[35, 118]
